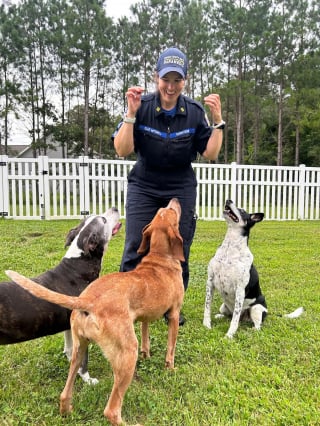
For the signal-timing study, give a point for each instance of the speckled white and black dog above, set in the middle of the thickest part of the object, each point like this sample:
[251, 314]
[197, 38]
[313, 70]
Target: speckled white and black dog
[25, 317]
[232, 273]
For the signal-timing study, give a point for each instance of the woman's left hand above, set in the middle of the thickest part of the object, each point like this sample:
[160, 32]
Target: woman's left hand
[213, 102]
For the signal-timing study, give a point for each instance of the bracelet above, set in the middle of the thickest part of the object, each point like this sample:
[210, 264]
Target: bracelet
[129, 120]
[220, 125]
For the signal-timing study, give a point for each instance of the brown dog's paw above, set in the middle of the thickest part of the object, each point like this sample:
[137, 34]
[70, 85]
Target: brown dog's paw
[65, 406]
[145, 354]
[169, 365]
[65, 409]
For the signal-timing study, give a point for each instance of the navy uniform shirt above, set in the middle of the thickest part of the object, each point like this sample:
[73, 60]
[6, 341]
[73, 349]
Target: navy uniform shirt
[166, 145]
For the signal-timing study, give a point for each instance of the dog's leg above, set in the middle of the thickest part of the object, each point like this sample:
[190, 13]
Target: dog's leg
[256, 315]
[84, 373]
[83, 370]
[67, 349]
[224, 311]
[145, 340]
[207, 306]
[123, 358]
[240, 295]
[173, 327]
[79, 349]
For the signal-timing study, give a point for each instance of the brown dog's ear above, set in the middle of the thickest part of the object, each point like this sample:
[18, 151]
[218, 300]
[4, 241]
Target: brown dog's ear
[176, 242]
[146, 234]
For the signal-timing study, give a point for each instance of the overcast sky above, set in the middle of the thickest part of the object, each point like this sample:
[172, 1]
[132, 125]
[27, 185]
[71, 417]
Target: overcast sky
[118, 8]
[115, 8]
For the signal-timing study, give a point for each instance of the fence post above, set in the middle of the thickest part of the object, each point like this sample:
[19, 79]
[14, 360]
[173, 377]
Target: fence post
[302, 181]
[233, 189]
[4, 186]
[84, 186]
[44, 187]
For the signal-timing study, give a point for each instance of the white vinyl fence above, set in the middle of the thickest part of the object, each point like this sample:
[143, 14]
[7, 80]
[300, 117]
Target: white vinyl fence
[43, 188]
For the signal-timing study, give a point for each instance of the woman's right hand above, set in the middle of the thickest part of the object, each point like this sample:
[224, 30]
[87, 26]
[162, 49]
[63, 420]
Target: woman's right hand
[123, 140]
[134, 99]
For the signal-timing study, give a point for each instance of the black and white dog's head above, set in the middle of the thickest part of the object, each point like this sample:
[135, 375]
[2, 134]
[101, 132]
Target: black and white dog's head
[93, 234]
[239, 218]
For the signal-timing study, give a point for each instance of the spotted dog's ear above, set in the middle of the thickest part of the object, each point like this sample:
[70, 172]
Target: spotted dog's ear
[73, 233]
[145, 242]
[257, 217]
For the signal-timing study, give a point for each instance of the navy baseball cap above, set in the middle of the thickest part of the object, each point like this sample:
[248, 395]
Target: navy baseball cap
[172, 59]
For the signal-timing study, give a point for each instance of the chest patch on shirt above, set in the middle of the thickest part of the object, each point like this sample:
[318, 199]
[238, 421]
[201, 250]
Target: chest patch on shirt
[165, 135]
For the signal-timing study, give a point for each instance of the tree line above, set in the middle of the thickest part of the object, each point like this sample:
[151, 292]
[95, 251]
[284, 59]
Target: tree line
[65, 66]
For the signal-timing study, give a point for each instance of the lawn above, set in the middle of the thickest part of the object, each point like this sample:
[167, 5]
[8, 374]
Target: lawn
[270, 377]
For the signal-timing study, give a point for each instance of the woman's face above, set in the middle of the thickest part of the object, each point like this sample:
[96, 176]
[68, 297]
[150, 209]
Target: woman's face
[170, 87]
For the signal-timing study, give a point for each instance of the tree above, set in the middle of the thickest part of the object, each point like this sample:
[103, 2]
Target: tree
[91, 29]
[38, 69]
[262, 56]
[303, 71]
[10, 52]
[101, 125]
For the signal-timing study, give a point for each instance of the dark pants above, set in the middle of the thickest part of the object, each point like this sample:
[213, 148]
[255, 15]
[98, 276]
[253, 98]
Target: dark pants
[141, 207]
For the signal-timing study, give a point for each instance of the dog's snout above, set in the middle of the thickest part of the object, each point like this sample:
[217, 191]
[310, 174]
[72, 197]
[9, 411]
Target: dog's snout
[175, 200]
[175, 205]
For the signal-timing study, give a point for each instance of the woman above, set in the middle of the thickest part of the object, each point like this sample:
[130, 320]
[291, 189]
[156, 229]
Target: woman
[166, 130]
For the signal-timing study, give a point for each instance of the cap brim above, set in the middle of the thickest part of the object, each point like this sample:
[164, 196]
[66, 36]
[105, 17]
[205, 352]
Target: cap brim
[165, 71]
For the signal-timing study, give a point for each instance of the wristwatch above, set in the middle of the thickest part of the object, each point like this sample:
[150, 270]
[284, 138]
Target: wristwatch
[220, 125]
[129, 120]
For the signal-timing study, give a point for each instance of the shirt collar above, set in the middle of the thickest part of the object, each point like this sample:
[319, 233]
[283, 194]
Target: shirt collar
[181, 106]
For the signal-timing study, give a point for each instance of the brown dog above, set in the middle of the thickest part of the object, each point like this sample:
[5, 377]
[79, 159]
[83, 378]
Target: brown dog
[106, 310]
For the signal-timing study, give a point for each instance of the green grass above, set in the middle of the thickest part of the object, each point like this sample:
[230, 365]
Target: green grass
[269, 377]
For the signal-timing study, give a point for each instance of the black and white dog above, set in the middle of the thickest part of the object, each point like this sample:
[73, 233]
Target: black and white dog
[232, 273]
[24, 317]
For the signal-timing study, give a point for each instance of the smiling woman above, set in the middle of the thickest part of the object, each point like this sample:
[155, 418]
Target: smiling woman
[167, 130]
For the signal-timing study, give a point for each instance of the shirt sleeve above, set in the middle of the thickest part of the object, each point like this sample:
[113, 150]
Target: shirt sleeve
[203, 133]
[114, 134]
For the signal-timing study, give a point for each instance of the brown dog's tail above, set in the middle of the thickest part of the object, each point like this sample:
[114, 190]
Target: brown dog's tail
[37, 290]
